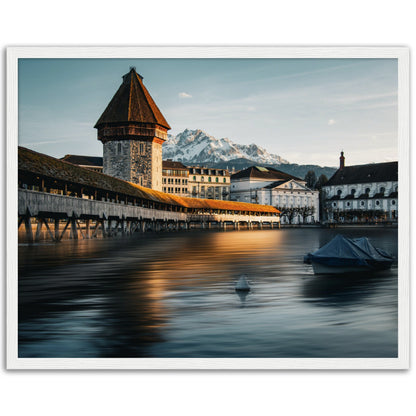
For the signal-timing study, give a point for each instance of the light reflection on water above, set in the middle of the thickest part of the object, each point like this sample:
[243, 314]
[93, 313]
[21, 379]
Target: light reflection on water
[172, 295]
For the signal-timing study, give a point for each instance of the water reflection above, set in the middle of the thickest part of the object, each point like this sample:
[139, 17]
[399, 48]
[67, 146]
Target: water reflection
[341, 290]
[173, 295]
[242, 295]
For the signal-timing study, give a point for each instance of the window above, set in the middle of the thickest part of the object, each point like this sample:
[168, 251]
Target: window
[216, 179]
[209, 179]
[194, 178]
[367, 190]
[353, 191]
[224, 180]
[119, 148]
[377, 203]
[202, 179]
[339, 192]
[334, 204]
[362, 203]
[382, 190]
[348, 204]
[393, 202]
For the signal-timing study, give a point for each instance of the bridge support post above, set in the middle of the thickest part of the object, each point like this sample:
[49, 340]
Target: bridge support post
[56, 229]
[87, 228]
[38, 230]
[74, 231]
[28, 229]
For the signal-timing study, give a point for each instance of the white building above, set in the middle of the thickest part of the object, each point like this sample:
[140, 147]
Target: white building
[175, 178]
[362, 193]
[269, 186]
[209, 183]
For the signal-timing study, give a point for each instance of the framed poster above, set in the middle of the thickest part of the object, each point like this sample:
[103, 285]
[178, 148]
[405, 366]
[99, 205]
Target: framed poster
[208, 208]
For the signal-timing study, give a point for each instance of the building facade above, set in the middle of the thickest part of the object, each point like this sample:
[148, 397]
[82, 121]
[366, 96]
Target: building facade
[175, 178]
[362, 193]
[209, 183]
[298, 204]
[132, 130]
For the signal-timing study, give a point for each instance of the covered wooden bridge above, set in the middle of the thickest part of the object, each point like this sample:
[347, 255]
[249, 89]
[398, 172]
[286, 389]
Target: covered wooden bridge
[63, 199]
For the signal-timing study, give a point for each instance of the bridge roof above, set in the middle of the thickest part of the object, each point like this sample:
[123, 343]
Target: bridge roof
[132, 103]
[35, 163]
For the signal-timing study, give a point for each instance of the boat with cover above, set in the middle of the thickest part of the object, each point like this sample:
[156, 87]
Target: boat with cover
[346, 255]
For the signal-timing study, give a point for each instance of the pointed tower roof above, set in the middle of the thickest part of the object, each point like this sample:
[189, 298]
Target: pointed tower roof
[132, 103]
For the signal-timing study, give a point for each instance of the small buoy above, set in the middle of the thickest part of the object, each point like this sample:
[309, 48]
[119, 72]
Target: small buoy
[242, 284]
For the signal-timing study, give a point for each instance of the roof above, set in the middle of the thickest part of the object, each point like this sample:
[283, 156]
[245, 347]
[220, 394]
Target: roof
[375, 172]
[84, 160]
[258, 172]
[275, 184]
[169, 164]
[132, 103]
[36, 163]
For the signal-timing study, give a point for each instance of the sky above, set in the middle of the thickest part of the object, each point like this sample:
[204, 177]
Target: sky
[304, 110]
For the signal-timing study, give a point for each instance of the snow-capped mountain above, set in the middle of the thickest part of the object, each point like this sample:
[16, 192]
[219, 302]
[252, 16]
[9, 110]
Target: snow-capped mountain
[195, 146]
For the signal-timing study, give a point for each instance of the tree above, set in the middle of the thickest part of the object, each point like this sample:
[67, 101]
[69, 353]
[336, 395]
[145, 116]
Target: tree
[320, 182]
[310, 179]
[291, 213]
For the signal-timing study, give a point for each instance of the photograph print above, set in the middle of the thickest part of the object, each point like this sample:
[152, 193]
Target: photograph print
[208, 212]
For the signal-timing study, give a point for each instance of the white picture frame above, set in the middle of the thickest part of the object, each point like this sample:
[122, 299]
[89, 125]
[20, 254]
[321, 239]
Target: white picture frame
[399, 53]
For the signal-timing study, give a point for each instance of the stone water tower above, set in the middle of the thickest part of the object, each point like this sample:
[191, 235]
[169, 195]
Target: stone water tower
[132, 130]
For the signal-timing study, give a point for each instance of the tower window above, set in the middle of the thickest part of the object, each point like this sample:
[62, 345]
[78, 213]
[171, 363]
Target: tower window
[119, 148]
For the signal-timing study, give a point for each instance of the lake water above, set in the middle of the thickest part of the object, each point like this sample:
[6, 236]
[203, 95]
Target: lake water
[172, 295]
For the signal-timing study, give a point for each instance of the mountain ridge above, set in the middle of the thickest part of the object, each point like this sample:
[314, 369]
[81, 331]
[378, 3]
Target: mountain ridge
[195, 147]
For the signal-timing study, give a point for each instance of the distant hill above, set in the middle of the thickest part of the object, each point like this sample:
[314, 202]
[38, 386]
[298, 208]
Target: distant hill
[291, 168]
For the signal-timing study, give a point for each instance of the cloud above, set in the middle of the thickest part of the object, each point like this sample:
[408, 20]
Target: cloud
[331, 122]
[184, 95]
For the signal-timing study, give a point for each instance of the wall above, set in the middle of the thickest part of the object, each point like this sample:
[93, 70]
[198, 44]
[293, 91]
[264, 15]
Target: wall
[137, 161]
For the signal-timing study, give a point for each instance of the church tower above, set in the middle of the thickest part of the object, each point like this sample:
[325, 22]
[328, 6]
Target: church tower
[132, 130]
